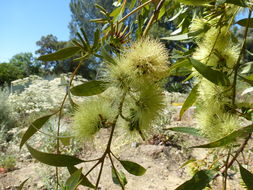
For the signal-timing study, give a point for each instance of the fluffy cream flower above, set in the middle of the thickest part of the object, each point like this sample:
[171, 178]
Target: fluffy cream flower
[91, 116]
[145, 60]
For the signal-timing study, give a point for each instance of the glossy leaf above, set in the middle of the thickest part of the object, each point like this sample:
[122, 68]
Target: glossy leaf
[186, 130]
[61, 54]
[133, 168]
[89, 88]
[240, 133]
[20, 187]
[84, 180]
[34, 127]
[245, 21]
[179, 64]
[247, 177]
[247, 79]
[58, 160]
[198, 182]
[248, 68]
[190, 100]
[121, 175]
[213, 76]
[74, 180]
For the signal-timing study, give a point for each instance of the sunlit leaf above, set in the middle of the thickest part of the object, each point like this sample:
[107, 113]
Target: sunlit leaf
[74, 180]
[186, 130]
[177, 37]
[240, 133]
[190, 100]
[84, 180]
[121, 175]
[33, 128]
[179, 64]
[61, 54]
[198, 182]
[213, 76]
[187, 162]
[89, 88]
[133, 168]
[58, 160]
[247, 177]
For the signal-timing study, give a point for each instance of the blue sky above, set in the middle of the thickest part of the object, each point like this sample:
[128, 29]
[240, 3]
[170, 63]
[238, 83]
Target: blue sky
[23, 22]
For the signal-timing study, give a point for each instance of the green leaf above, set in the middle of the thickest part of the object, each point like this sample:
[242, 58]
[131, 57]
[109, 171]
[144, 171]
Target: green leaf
[247, 79]
[121, 175]
[187, 162]
[245, 21]
[33, 128]
[58, 160]
[198, 182]
[190, 100]
[237, 2]
[89, 88]
[133, 168]
[187, 130]
[247, 177]
[240, 133]
[116, 12]
[177, 37]
[61, 54]
[213, 76]
[20, 187]
[84, 180]
[179, 64]
[74, 180]
[248, 68]
[96, 39]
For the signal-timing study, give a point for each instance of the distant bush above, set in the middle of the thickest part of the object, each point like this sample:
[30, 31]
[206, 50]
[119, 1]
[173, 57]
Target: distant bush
[9, 72]
[7, 120]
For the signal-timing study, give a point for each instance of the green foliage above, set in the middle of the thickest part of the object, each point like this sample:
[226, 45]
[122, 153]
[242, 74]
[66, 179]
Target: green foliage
[198, 182]
[187, 130]
[73, 181]
[247, 177]
[7, 120]
[9, 72]
[33, 128]
[89, 88]
[190, 100]
[84, 180]
[58, 160]
[231, 138]
[133, 168]
[7, 161]
[61, 54]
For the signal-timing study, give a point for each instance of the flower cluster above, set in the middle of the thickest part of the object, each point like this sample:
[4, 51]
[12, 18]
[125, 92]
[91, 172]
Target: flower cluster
[136, 76]
[217, 50]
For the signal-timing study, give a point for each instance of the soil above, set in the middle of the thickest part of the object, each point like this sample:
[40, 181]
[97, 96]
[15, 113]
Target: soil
[162, 160]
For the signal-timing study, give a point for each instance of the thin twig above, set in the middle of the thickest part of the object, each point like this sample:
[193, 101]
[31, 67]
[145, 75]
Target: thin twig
[226, 170]
[237, 65]
[153, 17]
